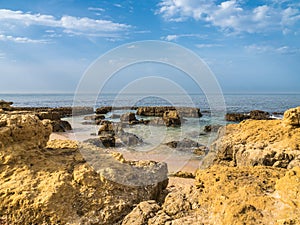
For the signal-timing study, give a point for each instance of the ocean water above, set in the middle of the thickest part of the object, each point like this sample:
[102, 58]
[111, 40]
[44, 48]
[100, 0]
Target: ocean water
[234, 102]
[154, 138]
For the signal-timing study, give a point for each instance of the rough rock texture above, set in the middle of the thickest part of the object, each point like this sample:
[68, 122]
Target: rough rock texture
[160, 110]
[5, 105]
[128, 118]
[254, 115]
[56, 185]
[292, 117]
[172, 118]
[227, 195]
[212, 128]
[60, 125]
[252, 143]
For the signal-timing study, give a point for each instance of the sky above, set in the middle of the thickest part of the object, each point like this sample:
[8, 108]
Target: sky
[250, 46]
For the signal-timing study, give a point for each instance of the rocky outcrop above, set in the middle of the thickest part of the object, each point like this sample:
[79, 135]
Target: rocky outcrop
[292, 117]
[253, 143]
[172, 118]
[128, 118]
[56, 185]
[5, 105]
[159, 111]
[227, 195]
[212, 128]
[254, 115]
[188, 145]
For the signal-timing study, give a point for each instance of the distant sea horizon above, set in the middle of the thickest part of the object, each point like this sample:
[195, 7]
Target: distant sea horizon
[234, 101]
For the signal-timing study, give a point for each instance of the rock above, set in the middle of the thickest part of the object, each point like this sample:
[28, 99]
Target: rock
[108, 141]
[202, 150]
[115, 116]
[51, 185]
[157, 122]
[141, 213]
[62, 144]
[212, 128]
[5, 105]
[160, 110]
[184, 143]
[292, 117]
[107, 128]
[103, 110]
[259, 115]
[60, 126]
[172, 118]
[94, 117]
[128, 118]
[236, 117]
[48, 115]
[183, 174]
[129, 139]
[228, 195]
[253, 143]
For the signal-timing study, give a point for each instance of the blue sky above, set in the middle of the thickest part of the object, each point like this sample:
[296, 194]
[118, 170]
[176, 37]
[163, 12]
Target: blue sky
[251, 46]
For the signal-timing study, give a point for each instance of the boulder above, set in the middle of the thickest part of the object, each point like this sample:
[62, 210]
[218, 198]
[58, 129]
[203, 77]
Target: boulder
[48, 115]
[184, 143]
[292, 117]
[107, 128]
[212, 128]
[128, 118]
[5, 105]
[60, 126]
[129, 139]
[103, 110]
[56, 185]
[172, 118]
[236, 117]
[108, 141]
[254, 115]
[259, 115]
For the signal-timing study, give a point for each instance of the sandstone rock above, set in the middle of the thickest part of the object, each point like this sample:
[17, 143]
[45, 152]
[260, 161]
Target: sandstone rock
[184, 143]
[292, 117]
[62, 144]
[56, 186]
[60, 126]
[94, 117]
[236, 117]
[259, 115]
[229, 195]
[129, 139]
[160, 110]
[128, 118]
[5, 105]
[108, 141]
[212, 128]
[172, 118]
[107, 129]
[103, 110]
[253, 143]
[48, 115]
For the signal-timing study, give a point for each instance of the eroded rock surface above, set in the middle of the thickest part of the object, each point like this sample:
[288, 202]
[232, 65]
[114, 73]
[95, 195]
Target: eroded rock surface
[253, 143]
[55, 184]
[160, 110]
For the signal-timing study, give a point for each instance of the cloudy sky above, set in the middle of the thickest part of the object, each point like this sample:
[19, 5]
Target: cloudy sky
[251, 46]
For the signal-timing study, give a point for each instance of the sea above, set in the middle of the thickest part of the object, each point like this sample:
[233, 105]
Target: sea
[155, 138]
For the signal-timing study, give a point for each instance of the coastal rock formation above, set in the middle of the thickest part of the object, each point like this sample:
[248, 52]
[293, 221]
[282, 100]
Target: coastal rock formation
[172, 118]
[264, 142]
[227, 195]
[212, 128]
[188, 145]
[5, 105]
[254, 115]
[128, 118]
[292, 117]
[54, 185]
[160, 110]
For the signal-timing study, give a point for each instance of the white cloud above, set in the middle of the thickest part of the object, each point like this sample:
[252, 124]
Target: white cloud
[21, 39]
[208, 45]
[69, 24]
[231, 15]
[175, 37]
[259, 49]
[96, 9]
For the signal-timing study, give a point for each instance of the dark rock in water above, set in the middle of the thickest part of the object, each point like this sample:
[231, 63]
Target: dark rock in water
[128, 118]
[259, 115]
[160, 110]
[212, 128]
[49, 115]
[60, 126]
[172, 118]
[5, 105]
[236, 117]
[88, 123]
[108, 141]
[107, 129]
[129, 139]
[202, 150]
[94, 141]
[185, 143]
[103, 110]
